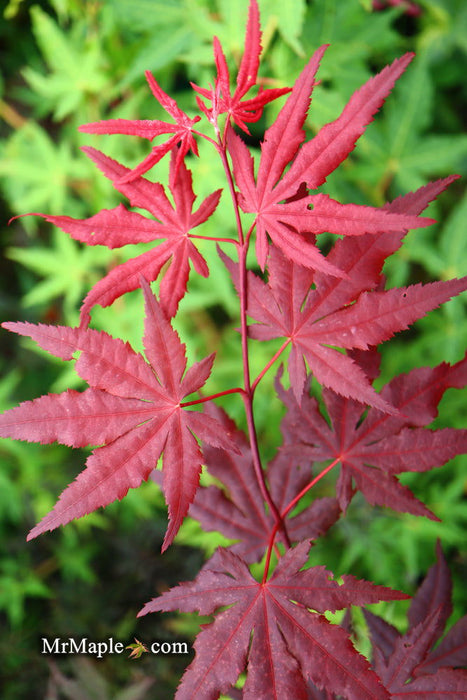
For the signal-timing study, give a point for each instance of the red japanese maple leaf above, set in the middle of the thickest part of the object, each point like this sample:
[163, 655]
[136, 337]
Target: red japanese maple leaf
[120, 226]
[374, 450]
[282, 207]
[132, 409]
[274, 629]
[408, 664]
[240, 110]
[346, 313]
[237, 510]
[182, 132]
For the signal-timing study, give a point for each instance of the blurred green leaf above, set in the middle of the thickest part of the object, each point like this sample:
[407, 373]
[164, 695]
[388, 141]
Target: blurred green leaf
[79, 267]
[37, 174]
[75, 66]
[16, 584]
[12, 9]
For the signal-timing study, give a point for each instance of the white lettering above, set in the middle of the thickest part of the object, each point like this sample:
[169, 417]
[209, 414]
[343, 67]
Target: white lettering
[47, 648]
[101, 649]
[78, 648]
[98, 649]
[169, 648]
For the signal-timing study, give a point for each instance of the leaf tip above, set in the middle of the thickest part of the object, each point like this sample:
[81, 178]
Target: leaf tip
[32, 534]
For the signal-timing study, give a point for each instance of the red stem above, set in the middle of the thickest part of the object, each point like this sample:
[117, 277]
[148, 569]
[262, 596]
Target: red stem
[248, 391]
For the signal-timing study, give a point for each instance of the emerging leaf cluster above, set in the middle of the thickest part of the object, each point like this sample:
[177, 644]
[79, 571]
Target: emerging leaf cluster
[327, 314]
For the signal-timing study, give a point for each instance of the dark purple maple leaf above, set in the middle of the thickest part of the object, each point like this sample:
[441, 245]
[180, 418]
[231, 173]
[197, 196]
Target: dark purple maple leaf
[119, 227]
[409, 664]
[274, 629]
[237, 510]
[182, 140]
[374, 450]
[132, 409]
[241, 110]
[281, 207]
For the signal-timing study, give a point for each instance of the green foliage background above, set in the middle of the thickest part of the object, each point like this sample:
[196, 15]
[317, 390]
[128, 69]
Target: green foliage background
[67, 62]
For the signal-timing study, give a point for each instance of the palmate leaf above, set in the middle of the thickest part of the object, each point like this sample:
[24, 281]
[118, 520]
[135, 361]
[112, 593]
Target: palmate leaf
[132, 410]
[182, 140]
[119, 227]
[408, 664]
[292, 641]
[317, 320]
[405, 143]
[281, 207]
[373, 451]
[288, 307]
[240, 110]
[76, 68]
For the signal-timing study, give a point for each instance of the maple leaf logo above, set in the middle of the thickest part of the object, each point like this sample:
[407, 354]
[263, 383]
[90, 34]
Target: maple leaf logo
[132, 409]
[138, 649]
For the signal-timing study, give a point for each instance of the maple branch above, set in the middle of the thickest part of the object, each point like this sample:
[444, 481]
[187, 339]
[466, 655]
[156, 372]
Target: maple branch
[237, 390]
[248, 396]
[228, 173]
[248, 392]
[248, 401]
[269, 364]
[226, 126]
